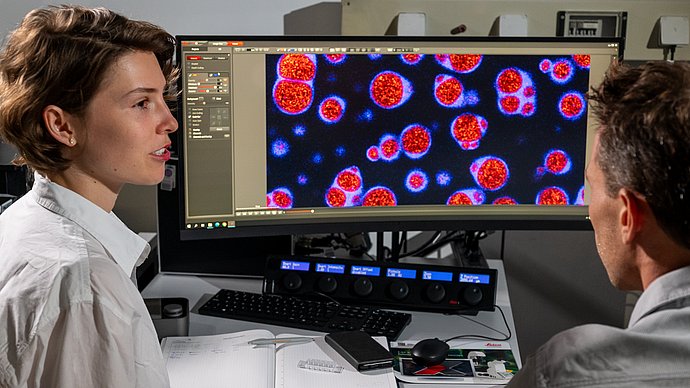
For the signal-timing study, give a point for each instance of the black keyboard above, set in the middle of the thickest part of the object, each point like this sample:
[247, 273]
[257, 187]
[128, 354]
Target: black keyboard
[291, 311]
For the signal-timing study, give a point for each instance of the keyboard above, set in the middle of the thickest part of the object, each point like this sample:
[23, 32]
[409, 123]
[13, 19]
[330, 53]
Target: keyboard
[308, 314]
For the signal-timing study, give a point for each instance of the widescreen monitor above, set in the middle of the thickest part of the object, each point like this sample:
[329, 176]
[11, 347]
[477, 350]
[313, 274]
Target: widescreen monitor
[284, 135]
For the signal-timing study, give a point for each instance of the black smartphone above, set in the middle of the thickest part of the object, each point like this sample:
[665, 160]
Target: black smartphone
[360, 350]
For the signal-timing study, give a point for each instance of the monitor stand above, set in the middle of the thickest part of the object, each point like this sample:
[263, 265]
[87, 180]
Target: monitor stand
[465, 251]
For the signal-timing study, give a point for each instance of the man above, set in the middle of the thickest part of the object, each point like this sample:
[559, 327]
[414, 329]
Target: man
[639, 175]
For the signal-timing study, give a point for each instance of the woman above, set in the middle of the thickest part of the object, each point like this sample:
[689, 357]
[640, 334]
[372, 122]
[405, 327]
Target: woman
[82, 98]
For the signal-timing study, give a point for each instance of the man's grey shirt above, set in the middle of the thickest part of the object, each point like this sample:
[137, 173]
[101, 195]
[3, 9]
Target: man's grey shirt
[654, 351]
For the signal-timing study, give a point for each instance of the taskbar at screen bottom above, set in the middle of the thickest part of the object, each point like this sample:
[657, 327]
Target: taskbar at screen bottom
[567, 218]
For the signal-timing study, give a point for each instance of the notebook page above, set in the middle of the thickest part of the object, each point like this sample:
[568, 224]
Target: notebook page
[219, 361]
[290, 375]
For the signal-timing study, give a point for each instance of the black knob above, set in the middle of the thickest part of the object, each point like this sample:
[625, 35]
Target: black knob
[472, 295]
[292, 281]
[363, 287]
[327, 284]
[173, 310]
[398, 290]
[435, 292]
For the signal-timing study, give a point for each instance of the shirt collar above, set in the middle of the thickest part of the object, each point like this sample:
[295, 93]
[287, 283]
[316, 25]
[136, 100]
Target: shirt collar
[123, 245]
[663, 290]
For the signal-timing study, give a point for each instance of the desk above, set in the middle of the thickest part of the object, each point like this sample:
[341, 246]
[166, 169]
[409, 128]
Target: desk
[198, 289]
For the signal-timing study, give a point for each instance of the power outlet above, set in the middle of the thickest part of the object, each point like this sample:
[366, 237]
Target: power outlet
[674, 30]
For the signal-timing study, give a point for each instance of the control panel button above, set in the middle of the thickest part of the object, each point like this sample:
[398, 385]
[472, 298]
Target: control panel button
[362, 287]
[398, 290]
[435, 292]
[327, 284]
[472, 295]
[292, 281]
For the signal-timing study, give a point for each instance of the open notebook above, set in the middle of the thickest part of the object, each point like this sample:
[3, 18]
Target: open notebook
[228, 360]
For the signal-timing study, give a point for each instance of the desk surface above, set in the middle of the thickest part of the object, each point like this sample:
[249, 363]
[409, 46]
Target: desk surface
[198, 289]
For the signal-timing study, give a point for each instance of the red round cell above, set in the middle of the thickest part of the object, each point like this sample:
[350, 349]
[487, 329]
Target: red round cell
[282, 199]
[335, 58]
[528, 91]
[510, 104]
[582, 60]
[379, 196]
[492, 174]
[296, 67]
[545, 65]
[336, 197]
[556, 161]
[459, 199]
[504, 201]
[373, 153]
[448, 91]
[416, 140]
[349, 181]
[467, 128]
[464, 62]
[509, 81]
[387, 89]
[293, 96]
[411, 58]
[527, 109]
[331, 109]
[552, 196]
[416, 181]
[389, 148]
[572, 105]
[562, 70]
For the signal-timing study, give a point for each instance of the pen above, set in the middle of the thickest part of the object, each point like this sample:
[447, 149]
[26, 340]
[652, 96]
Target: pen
[285, 340]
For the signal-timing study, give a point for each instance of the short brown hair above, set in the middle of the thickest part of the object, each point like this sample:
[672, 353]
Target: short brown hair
[59, 55]
[644, 138]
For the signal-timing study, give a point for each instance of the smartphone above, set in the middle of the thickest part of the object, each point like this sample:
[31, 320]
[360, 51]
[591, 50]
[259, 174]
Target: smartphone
[360, 350]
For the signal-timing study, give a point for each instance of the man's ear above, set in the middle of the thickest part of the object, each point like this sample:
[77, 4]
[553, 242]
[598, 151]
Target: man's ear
[632, 214]
[58, 123]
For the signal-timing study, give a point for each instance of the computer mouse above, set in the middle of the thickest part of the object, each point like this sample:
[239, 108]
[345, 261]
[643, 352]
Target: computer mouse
[428, 352]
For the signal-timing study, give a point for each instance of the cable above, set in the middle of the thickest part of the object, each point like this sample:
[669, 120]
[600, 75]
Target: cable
[482, 337]
[432, 240]
[321, 294]
[448, 238]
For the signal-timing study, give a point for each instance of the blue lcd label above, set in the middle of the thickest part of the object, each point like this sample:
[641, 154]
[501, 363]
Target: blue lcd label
[436, 275]
[474, 278]
[330, 268]
[294, 265]
[401, 273]
[366, 271]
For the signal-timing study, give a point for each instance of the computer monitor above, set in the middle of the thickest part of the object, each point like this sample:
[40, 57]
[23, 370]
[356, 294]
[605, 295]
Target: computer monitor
[284, 135]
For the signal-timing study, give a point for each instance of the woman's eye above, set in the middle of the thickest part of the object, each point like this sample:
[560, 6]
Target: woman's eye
[143, 104]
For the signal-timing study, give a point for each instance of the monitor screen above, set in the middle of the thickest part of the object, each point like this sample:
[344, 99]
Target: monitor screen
[283, 134]
[288, 135]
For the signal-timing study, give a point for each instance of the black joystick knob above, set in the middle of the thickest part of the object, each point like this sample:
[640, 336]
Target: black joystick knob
[363, 287]
[435, 292]
[327, 284]
[398, 290]
[292, 281]
[173, 310]
[472, 295]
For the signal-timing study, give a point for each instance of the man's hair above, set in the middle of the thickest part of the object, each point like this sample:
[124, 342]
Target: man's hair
[644, 142]
[59, 55]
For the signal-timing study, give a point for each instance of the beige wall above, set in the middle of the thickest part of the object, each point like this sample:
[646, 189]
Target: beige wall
[373, 17]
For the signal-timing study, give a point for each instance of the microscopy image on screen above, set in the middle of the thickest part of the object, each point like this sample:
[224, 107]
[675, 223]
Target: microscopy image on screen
[412, 129]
